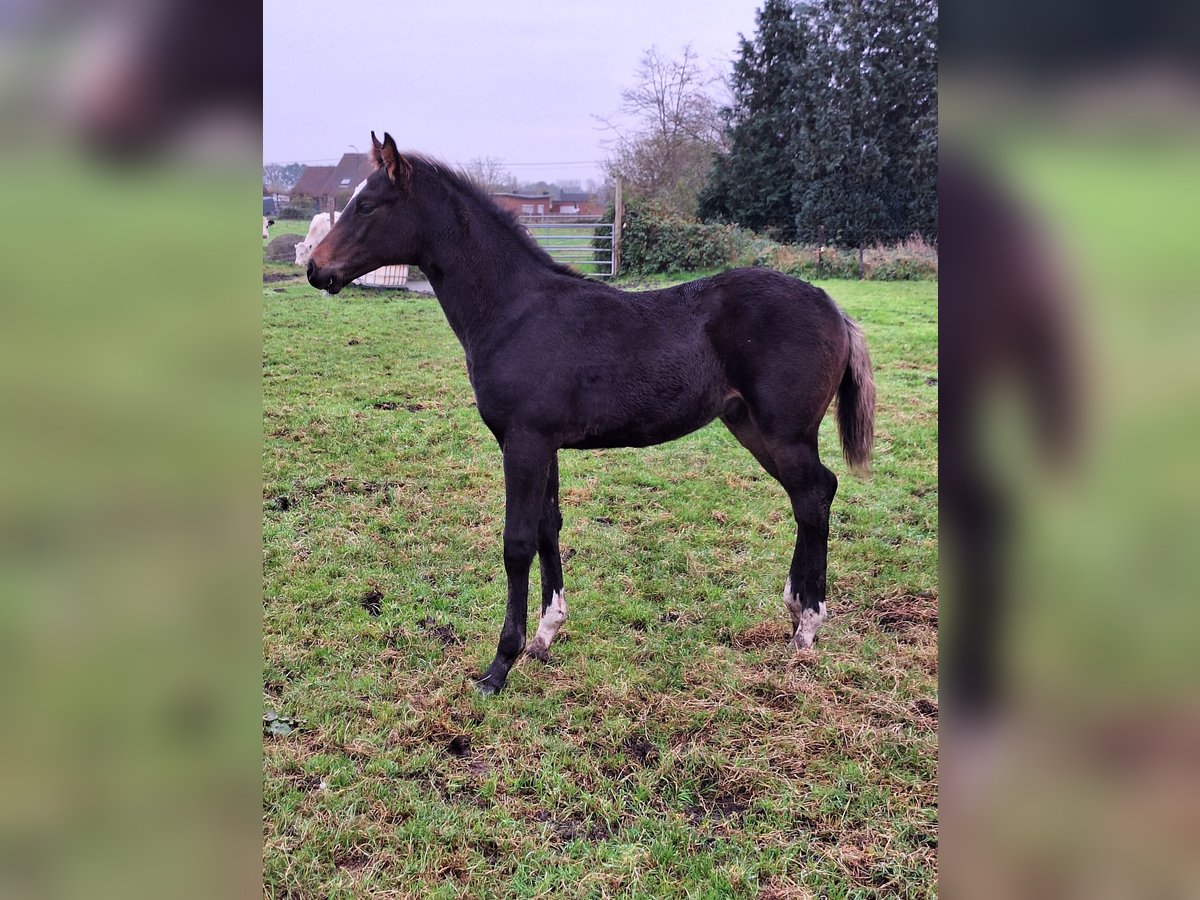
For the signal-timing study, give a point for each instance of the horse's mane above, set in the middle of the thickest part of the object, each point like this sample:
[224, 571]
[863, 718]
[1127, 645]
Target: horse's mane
[505, 218]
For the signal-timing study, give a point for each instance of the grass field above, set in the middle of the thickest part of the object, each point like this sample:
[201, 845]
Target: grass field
[674, 746]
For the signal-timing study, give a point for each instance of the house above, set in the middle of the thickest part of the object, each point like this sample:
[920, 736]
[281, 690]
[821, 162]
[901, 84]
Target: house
[322, 184]
[350, 170]
[311, 186]
[577, 203]
[525, 204]
[569, 203]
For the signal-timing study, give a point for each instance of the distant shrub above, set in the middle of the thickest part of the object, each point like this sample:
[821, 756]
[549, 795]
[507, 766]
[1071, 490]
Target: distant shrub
[301, 211]
[655, 240]
[910, 260]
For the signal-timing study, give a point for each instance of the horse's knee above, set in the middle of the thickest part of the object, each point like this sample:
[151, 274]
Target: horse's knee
[519, 550]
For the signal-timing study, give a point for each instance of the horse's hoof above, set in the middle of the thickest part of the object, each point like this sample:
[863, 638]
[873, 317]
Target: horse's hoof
[538, 652]
[810, 623]
[487, 687]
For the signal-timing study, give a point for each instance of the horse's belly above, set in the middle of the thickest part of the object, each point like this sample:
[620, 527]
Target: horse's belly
[645, 427]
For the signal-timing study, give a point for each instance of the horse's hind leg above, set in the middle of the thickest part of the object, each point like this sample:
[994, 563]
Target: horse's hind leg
[554, 604]
[810, 487]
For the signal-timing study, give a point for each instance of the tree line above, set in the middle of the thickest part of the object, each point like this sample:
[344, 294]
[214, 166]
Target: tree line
[831, 120]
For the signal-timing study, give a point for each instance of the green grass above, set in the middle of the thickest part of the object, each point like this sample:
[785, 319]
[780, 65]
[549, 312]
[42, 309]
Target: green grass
[674, 747]
[288, 226]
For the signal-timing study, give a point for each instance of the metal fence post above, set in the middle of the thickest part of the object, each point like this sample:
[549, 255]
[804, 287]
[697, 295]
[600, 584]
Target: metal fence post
[618, 215]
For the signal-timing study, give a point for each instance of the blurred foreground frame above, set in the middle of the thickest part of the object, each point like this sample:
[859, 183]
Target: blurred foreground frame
[1071, 723]
[129, 389]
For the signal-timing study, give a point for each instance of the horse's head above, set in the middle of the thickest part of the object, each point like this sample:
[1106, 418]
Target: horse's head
[377, 228]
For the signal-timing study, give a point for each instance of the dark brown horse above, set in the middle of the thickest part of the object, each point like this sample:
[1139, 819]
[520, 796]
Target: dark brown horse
[560, 361]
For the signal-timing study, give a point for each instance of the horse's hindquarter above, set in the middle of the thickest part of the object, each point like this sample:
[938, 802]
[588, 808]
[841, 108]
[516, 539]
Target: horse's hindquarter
[778, 337]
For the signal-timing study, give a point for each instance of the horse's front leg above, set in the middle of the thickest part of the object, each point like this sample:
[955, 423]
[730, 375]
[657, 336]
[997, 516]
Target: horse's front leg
[527, 461]
[554, 605]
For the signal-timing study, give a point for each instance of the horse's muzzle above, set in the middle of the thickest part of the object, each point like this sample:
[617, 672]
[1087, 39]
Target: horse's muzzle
[322, 281]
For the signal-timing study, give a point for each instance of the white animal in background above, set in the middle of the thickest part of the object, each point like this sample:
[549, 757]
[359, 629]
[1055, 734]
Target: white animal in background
[267, 222]
[388, 276]
[317, 229]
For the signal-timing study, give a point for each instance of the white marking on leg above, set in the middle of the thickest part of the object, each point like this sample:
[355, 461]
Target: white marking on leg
[805, 622]
[792, 602]
[810, 624]
[552, 619]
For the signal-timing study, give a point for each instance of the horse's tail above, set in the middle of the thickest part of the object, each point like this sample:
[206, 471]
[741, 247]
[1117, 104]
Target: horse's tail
[856, 403]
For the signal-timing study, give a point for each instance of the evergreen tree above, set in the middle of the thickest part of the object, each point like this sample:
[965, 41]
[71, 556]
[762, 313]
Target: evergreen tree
[866, 168]
[752, 183]
[834, 123]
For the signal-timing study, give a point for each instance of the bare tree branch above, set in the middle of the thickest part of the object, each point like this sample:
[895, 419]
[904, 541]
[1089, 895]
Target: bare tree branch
[666, 129]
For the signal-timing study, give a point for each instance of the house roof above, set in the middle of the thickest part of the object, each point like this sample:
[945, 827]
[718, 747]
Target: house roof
[352, 169]
[313, 180]
[575, 196]
[327, 181]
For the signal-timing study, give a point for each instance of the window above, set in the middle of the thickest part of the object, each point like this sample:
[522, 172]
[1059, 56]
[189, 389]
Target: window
[345, 182]
[527, 209]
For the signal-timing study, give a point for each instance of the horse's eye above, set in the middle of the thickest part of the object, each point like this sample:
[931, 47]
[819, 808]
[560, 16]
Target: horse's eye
[364, 207]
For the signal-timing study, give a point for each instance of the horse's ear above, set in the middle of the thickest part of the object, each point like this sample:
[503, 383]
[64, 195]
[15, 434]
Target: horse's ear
[390, 158]
[376, 147]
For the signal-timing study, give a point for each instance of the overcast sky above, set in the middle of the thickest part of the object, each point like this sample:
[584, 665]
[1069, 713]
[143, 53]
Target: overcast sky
[458, 79]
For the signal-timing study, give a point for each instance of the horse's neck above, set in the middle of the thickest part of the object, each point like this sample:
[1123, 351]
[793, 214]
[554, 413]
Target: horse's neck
[478, 274]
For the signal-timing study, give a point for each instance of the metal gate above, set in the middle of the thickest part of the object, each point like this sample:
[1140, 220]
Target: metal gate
[580, 241]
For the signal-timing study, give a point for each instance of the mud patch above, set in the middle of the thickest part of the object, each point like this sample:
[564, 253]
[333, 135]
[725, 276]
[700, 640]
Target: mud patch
[723, 807]
[346, 486]
[640, 750]
[372, 602]
[900, 612]
[271, 277]
[459, 745]
[444, 634]
[351, 862]
[926, 709]
[392, 405]
[571, 828]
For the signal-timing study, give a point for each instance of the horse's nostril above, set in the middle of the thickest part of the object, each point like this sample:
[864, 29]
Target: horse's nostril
[311, 269]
